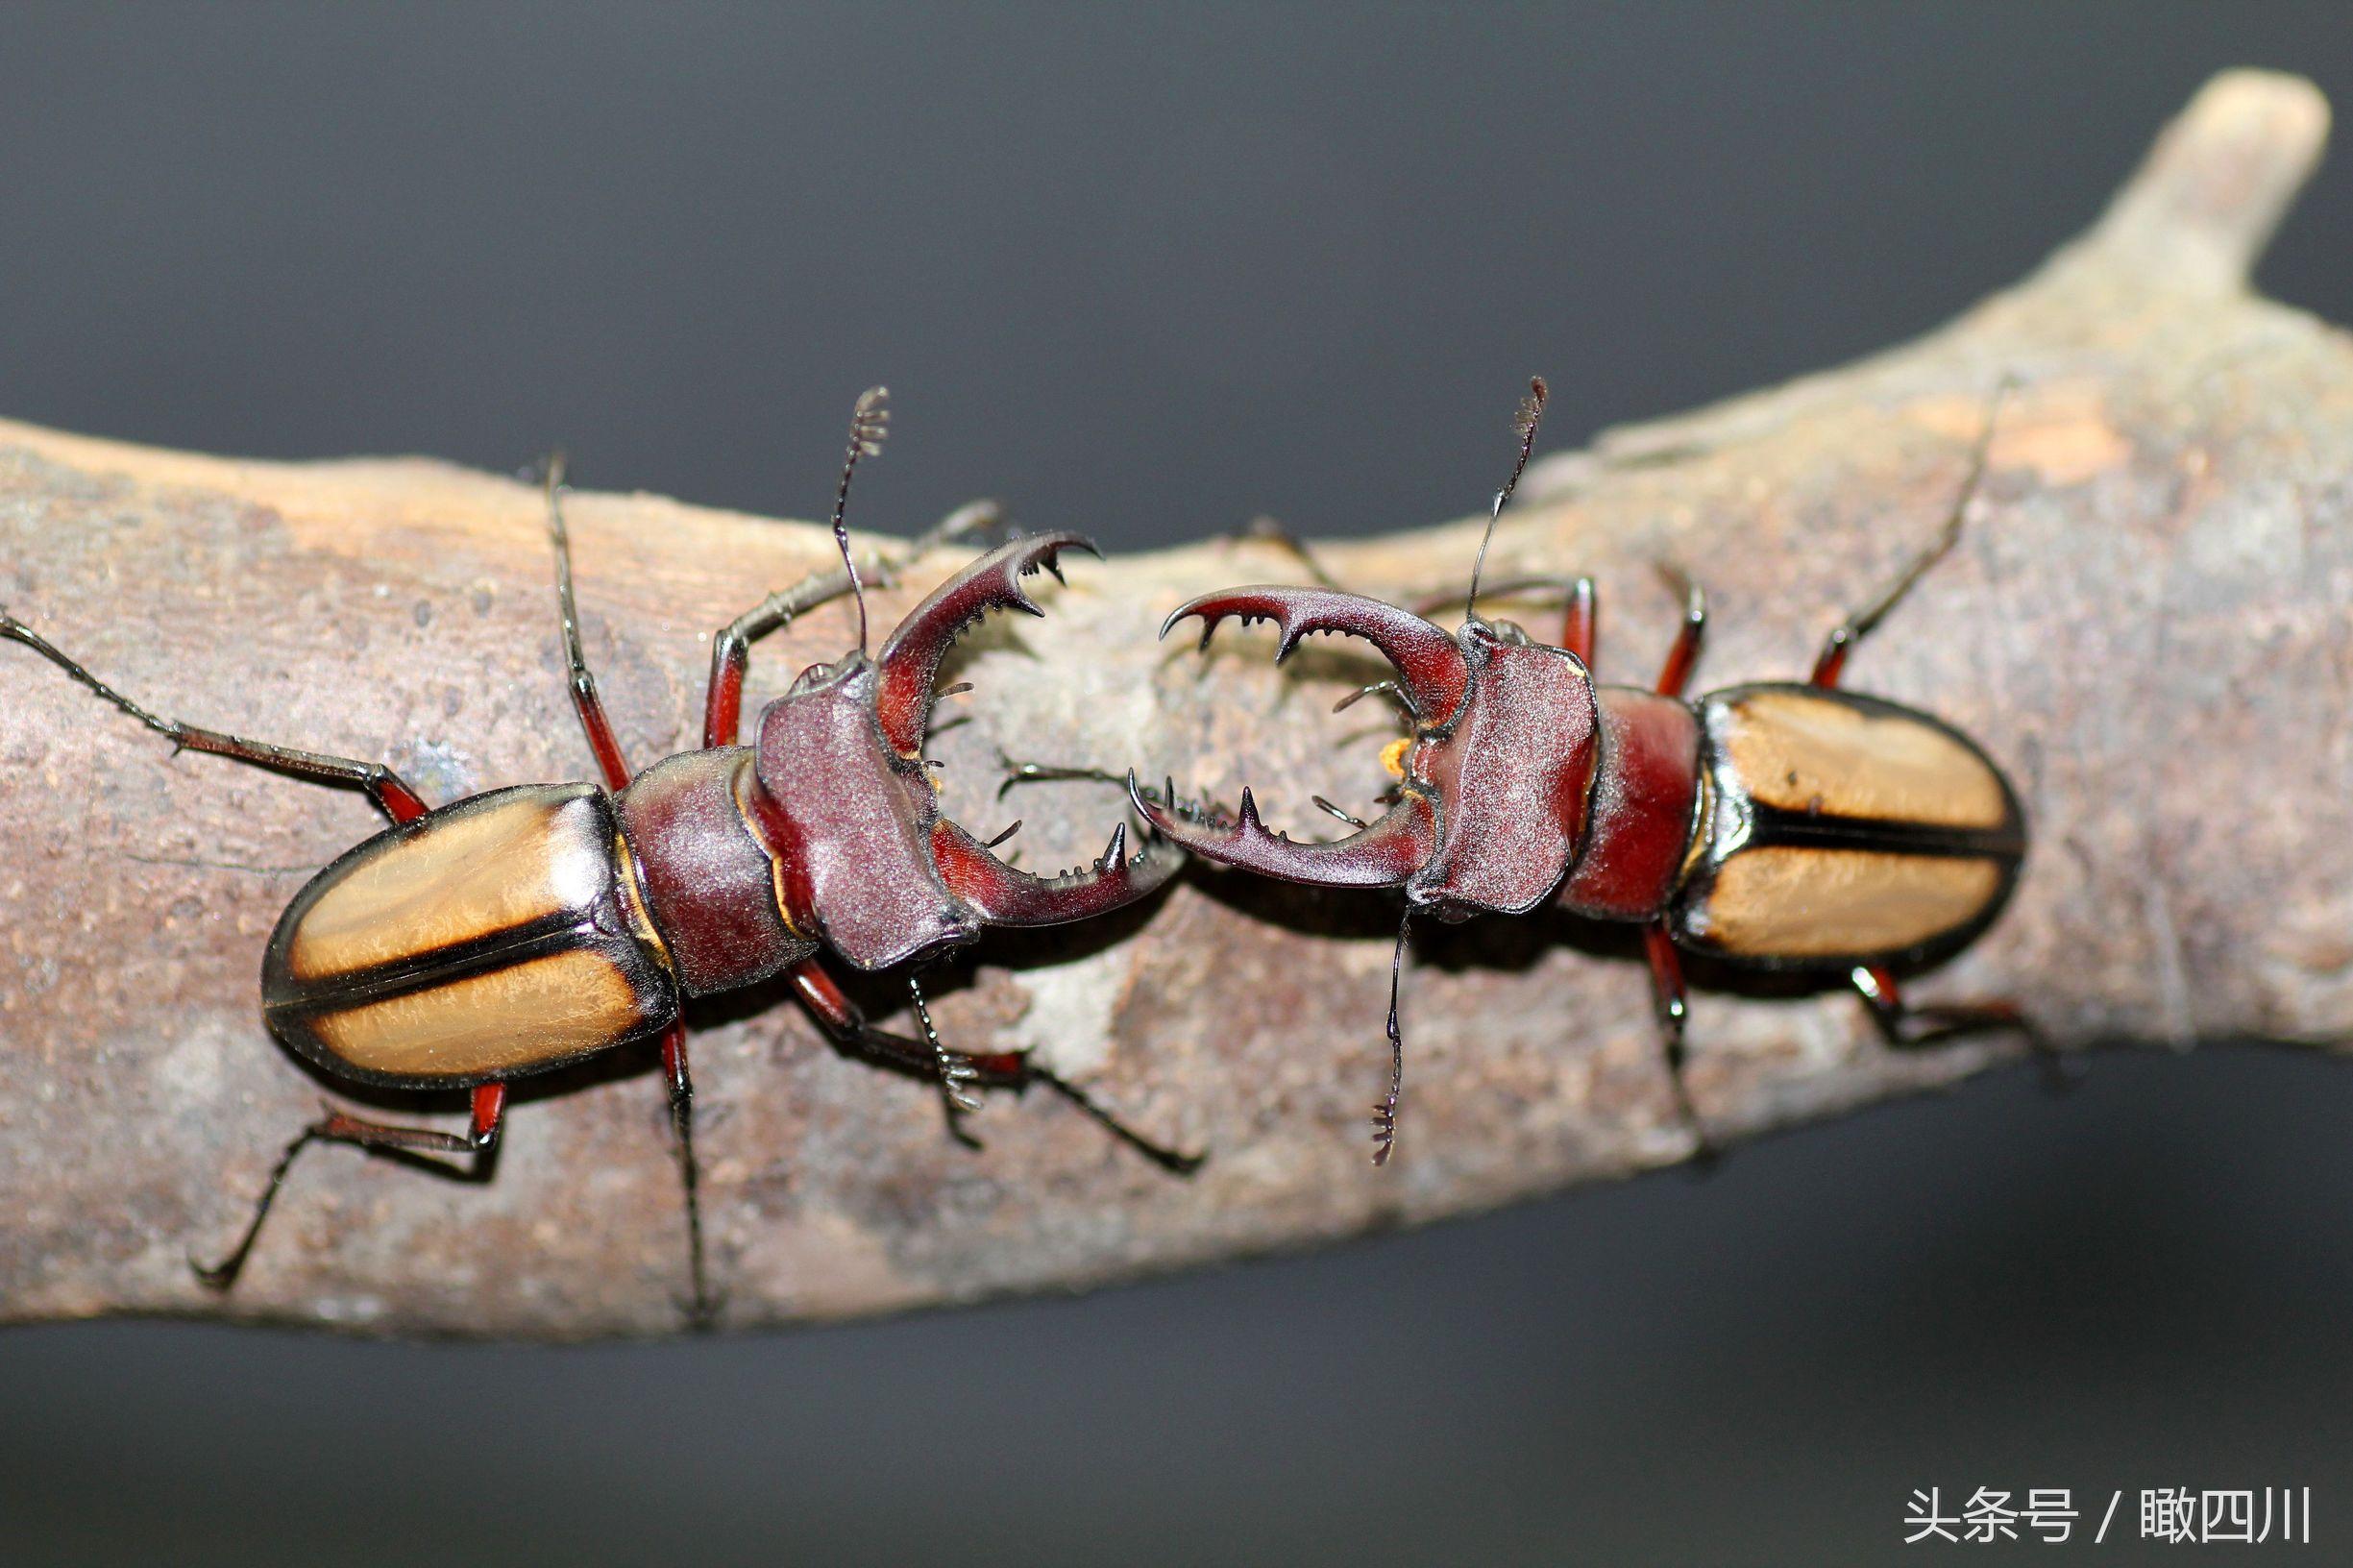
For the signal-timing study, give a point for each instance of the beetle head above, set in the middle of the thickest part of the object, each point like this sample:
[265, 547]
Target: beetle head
[1494, 781]
[845, 800]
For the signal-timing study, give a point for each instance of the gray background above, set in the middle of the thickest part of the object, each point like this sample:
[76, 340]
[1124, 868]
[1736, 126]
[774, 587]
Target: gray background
[1150, 276]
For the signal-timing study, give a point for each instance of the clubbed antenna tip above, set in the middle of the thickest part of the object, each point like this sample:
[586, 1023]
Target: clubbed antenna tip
[869, 422]
[1524, 424]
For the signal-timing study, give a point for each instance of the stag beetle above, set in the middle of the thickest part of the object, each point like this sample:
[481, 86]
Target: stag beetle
[1779, 826]
[526, 928]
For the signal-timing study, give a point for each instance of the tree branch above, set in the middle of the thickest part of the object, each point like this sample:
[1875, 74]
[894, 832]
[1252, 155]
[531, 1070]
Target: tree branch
[2145, 622]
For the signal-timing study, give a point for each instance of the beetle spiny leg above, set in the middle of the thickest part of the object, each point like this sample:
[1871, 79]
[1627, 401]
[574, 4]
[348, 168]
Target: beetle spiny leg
[1385, 1114]
[222, 1275]
[1403, 698]
[1830, 663]
[16, 630]
[1175, 1162]
[1007, 834]
[956, 1071]
[1270, 531]
[974, 522]
[1042, 773]
[1330, 810]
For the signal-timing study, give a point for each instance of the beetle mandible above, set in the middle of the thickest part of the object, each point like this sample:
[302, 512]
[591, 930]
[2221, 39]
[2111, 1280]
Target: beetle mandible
[526, 928]
[1780, 825]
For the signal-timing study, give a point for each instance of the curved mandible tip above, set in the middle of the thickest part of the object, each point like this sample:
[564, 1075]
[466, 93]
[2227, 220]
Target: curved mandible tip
[1383, 855]
[1003, 896]
[910, 660]
[1429, 665]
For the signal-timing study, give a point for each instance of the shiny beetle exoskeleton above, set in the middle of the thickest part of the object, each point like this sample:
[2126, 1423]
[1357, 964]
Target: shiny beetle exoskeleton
[1782, 825]
[526, 928]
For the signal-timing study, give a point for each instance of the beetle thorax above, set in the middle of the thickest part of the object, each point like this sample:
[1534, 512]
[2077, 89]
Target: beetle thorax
[848, 822]
[1512, 777]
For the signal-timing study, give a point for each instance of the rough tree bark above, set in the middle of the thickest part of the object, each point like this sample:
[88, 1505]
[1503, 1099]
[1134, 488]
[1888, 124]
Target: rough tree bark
[2145, 622]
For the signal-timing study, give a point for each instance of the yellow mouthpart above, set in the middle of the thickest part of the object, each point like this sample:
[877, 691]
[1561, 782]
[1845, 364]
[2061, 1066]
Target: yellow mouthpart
[1393, 756]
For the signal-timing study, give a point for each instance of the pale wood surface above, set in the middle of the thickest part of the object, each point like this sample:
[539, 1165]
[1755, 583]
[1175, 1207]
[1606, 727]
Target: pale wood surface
[2146, 622]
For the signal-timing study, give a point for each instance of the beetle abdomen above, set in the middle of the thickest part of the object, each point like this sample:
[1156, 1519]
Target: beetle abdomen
[494, 937]
[1842, 828]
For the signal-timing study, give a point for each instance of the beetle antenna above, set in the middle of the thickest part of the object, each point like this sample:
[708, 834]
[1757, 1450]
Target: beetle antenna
[1385, 1115]
[1524, 424]
[869, 421]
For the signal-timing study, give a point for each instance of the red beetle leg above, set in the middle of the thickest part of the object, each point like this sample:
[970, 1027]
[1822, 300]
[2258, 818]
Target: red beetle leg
[843, 1020]
[480, 1139]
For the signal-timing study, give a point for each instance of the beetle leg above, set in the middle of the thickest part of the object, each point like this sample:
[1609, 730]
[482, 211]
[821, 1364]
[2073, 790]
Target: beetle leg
[392, 796]
[703, 1310]
[1575, 590]
[481, 1141]
[1831, 662]
[731, 644]
[1580, 621]
[955, 1070]
[1676, 673]
[1667, 994]
[1578, 618]
[1017, 773]
[1015, 1069]
[1046, 773]
[1270, 533]
[584, 699]
[1911, 1028]
[1384, 1108]
[843, 1020]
